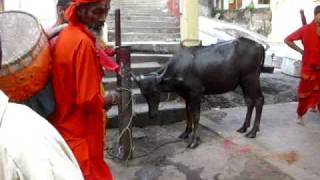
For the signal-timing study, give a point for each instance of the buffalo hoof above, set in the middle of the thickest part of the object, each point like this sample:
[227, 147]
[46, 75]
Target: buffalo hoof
[194, 143]
[251, 134]
[242, 130]
[184, 135]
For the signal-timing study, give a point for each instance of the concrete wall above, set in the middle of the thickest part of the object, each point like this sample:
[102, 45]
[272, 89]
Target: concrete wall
[207, 6]
[287, 16]
[245, 3]
[258, 20]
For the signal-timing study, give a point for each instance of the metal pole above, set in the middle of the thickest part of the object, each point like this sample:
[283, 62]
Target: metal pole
[124, 84]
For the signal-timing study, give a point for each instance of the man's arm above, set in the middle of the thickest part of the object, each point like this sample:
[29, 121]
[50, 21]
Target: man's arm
[295, 36]
[294, 46]
[111, 98]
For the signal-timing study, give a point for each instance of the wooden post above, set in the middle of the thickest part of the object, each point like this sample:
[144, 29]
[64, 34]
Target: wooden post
[118, 39]
[125, 104]
[303, 17]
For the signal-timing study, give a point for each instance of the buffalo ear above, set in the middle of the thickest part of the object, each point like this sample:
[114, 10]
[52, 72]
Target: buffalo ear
[154, 73]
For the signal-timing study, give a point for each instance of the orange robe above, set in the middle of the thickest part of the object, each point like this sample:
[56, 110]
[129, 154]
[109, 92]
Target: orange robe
[309, 87]
[76, 79]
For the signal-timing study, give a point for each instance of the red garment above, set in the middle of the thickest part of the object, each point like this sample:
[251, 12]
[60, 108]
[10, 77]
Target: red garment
[106, 61]
[309, 87]
[110, 51]
[76, 79]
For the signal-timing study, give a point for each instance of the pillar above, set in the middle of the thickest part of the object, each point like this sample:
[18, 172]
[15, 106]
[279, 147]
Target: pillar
[189, 23]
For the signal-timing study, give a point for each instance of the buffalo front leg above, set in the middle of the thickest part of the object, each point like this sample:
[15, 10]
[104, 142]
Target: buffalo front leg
[194, 113]
[246, 124]
[188, 130]
[256, 127]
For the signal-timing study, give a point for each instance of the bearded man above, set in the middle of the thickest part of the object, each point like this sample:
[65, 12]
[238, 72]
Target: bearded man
[76, 81]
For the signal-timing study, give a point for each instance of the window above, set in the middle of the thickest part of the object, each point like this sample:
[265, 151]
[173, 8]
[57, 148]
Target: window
[263, 1]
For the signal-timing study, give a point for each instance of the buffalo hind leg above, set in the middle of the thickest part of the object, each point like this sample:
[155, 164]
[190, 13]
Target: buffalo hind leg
[194, 113]
[188, 130]
[256, 127]
[250, 85]
[246, 124]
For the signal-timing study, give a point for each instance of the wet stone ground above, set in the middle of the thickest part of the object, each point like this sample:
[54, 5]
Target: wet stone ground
[276, 87]
[160, 155]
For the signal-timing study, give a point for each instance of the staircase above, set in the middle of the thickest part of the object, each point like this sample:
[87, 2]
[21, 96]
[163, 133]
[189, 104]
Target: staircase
[144, 20]
[154, 36]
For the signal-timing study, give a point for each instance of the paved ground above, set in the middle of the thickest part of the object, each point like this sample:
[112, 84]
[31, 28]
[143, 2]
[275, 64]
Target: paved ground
[283, 143]
[283, 150]
[276, 87]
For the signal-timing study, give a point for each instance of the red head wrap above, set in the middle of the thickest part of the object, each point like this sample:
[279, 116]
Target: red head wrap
[70, 12]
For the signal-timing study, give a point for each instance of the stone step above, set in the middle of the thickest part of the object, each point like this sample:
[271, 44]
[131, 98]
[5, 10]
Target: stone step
[139, 68]
[155, 61]
[111, 82]
[142, 10]
[156, 13]
[139, 99]
[127, 29]
[146, 23]
[133, 5]
[143, 17]
[170, 112]
[158, 47]
[133, 37]
[160, 59]
[143, 57]
[139, 3]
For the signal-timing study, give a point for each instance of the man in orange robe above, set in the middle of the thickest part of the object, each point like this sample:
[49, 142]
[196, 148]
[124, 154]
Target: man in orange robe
[309, 87]
[76, 78]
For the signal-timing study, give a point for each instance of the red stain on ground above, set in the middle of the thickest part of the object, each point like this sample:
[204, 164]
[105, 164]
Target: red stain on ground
[289, 157]
[233, 149]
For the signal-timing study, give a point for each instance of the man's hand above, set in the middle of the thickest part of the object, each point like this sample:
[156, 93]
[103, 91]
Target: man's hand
[293, 45]
[112, 98]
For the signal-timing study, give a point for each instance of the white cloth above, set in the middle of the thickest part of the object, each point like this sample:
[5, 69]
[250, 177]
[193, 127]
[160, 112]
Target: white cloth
[32, 149]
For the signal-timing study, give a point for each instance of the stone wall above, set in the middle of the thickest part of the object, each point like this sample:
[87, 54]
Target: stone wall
[206, 7]
[258, 20]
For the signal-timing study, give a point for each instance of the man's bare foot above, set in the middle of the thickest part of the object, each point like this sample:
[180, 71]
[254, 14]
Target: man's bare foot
[300, 121]
[314, 109]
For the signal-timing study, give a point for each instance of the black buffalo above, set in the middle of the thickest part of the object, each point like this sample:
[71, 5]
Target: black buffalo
[195, 71]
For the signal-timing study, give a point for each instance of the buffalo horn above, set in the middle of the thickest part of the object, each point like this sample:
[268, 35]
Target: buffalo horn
[135, 78]
[159, 77]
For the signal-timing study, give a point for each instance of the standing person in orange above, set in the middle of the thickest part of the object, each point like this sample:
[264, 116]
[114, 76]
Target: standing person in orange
[76, 78]
[309, 87]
